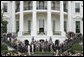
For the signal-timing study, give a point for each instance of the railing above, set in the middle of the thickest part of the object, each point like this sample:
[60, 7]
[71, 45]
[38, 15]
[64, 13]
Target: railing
[26, 32]
[27, 7]
[39, 8]
[56, 32]
[55, 8]
[42, 33]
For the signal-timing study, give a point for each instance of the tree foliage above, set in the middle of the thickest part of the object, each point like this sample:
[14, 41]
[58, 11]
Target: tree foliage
[4, 47]
[4, 23]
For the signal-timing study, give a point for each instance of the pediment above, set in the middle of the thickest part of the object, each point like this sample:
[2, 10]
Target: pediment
[77, 17]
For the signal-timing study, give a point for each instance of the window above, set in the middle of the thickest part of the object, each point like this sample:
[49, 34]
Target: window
[29, 6]
[65, 26]
[41, 4]
[5, 7]
[77, 7]
[65, 9]
[53, 5]
[29, 25]
[53, 25]
[17, 7]
[17, 26]
[41, 23]
[77, 26]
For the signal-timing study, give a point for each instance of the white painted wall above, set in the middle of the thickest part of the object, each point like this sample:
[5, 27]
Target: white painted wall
[75, 17]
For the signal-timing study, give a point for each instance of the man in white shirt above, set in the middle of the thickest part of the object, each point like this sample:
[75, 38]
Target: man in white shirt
[8, 38]
[29, 49]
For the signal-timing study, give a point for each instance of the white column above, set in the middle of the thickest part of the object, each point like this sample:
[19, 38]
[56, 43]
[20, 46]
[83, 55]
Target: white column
[21, 19]
[49, 22]
[81, 26]
[34, 31]
[69, 16]
[13, 21]
[62, 19]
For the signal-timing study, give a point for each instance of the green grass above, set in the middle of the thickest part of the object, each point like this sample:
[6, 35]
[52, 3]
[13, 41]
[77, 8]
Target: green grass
[6, 51]
[43, 52]
[76, 47]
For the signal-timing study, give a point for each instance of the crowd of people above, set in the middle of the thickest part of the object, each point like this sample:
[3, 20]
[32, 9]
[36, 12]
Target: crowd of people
[71, 39]
[42, 46]
[14, 54]
[70, 54]
[35, 46]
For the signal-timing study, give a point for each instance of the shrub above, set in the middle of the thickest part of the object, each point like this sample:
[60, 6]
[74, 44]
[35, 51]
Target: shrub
[76, 47]
[4, 47]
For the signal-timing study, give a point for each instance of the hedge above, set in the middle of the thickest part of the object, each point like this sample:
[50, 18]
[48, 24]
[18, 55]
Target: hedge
[76, 47]
[4, 47]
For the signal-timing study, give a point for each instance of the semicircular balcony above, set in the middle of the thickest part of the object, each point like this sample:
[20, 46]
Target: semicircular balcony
[41, 6]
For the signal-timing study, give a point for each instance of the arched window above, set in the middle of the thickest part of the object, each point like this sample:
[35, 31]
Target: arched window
[41, 25]
[5, 7]
[77, 26]
[53, 5]
[29, 5]
[41, 4]
[29, 26]
[77, 7]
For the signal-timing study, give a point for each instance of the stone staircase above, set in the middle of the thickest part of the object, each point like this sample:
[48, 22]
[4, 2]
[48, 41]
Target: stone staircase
[43, 37]
[67, 46]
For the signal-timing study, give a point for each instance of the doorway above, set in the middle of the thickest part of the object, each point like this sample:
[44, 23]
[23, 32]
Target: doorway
[41, 26]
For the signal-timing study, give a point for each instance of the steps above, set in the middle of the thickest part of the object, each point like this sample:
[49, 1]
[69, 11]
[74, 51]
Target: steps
[44, 37]
[65, 47]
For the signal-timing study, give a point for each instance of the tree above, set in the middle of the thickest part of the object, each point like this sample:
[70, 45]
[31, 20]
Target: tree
[3, 23]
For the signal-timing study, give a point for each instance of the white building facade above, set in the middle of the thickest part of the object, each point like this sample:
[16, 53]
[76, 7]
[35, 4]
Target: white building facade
[43, 19]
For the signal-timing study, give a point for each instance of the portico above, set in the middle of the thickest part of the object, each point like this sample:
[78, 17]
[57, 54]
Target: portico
[46, 15]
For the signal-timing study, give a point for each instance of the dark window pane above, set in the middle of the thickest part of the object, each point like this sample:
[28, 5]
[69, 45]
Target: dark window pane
[29, 25]
[65, 26]
[77, 7]
[41, 23]
[77, 26]
[17, 26]
[5, 7]
[53, 25]
[41, 4]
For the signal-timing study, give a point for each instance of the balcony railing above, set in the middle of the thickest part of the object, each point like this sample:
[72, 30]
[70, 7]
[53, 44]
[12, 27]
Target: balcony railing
[27, 7]
[42, 33]
[56, 32]
[55, 8]
[43, 8]
[26, 32]
[40, 8]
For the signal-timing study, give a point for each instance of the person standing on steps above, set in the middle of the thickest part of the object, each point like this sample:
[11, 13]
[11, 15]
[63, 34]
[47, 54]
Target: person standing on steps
[29, 49]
